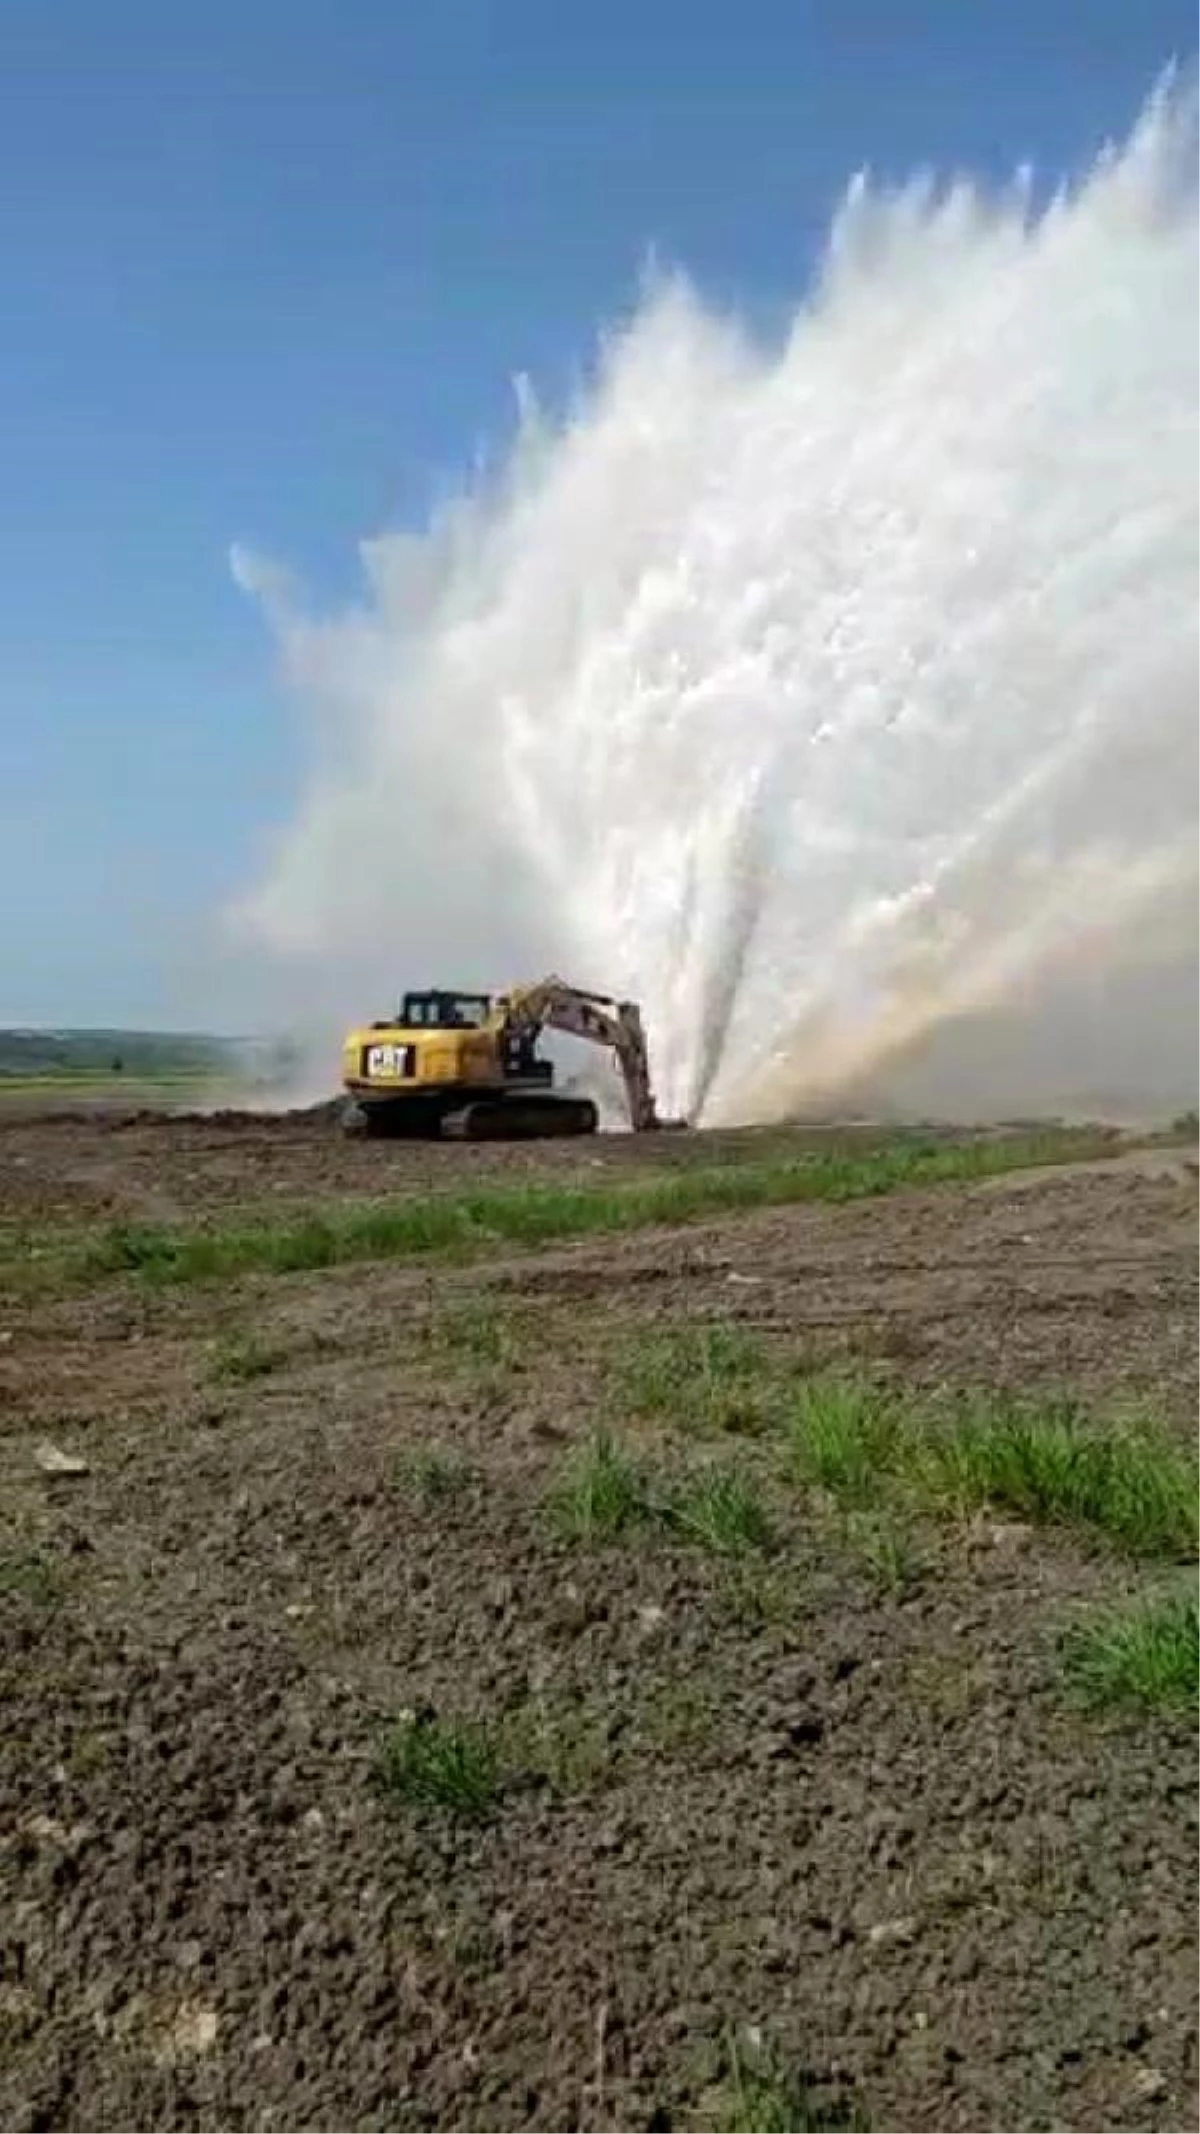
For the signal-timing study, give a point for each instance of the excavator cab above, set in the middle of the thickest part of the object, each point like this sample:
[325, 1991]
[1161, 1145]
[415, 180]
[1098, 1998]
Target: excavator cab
[441, 1010]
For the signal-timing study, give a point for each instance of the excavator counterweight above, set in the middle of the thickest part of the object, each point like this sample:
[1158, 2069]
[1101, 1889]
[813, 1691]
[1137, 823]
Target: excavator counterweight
[466, 1065]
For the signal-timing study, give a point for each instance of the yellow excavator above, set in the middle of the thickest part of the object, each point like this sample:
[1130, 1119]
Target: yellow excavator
[466, 1065]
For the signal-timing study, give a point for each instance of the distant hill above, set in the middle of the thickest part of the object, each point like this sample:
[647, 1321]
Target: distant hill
[141, 1054]
[26, 1052]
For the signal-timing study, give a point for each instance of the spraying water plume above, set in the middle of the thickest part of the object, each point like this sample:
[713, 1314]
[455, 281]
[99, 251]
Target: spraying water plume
[835, 700]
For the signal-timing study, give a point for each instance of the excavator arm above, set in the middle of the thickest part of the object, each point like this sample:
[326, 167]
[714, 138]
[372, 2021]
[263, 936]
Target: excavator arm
[550, 1004]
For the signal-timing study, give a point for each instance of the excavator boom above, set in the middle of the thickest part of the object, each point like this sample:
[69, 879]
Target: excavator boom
[551, 1004]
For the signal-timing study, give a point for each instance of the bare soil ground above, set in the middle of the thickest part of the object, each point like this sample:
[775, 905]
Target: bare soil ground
[86, 1166]
[807, 1810]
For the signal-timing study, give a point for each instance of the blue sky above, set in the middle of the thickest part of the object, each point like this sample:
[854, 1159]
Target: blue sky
[269, 267]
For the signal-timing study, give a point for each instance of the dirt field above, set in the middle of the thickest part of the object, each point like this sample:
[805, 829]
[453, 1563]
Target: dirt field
[807, 1834]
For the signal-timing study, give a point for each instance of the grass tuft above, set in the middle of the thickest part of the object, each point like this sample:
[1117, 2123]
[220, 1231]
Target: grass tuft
[139, 1248]
[722, 1510]
[603, 1493]
[890, 1552]
[759, 2096]
[562, 1745]
[708, 1377]
[30, 1575]
[1130, 1482]
[237, 1358]
[465, 1768]
[843, 1435]
[1143, 1653]
[435, 1763]
[481, 1333]
[432, 1475]
[1047, 1462]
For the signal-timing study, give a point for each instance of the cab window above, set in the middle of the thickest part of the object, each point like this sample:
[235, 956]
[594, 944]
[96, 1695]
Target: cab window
[443, 1011]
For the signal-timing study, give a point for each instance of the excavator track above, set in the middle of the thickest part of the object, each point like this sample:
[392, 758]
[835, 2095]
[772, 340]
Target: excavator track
[532, 1118]
[390, 1122]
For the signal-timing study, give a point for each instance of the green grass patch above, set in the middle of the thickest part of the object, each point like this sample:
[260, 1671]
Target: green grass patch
[534, 1214]
[844, 1435]
[480, 1333]
[1144, 1653]
[708, 1377]
[456, 1766]
[562, 1744]
[432, 1474]
[722, 1511]
[30, 1575]
[1047, 1462]
[602, 1494]
[464, 1768]
[757, 1590]
[238, 1358]
[888, 1548]
[759, 2095]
